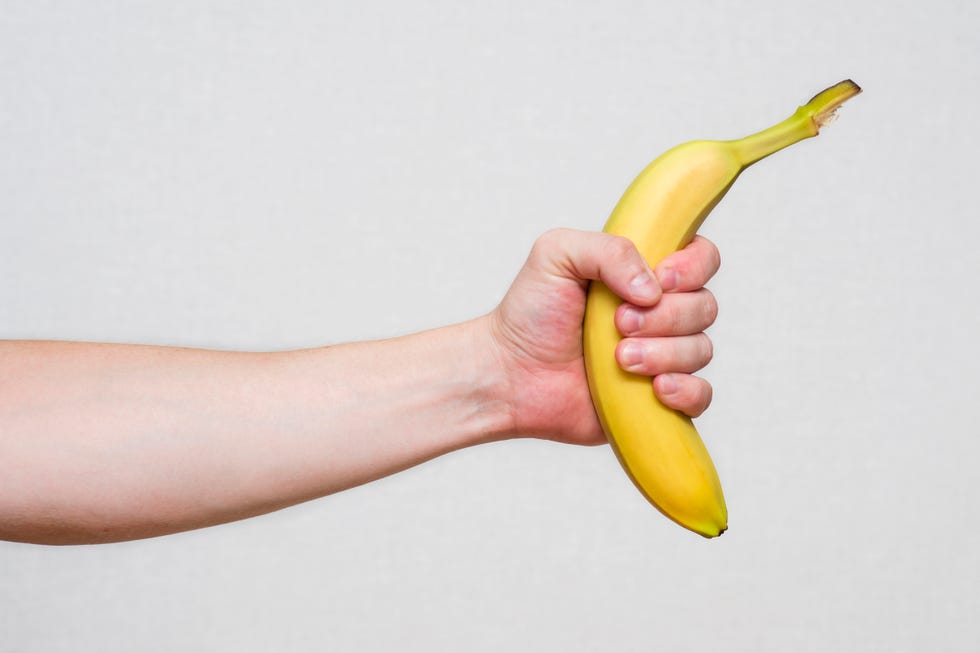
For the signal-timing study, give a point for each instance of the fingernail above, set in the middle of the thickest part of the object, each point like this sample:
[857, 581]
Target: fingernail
[644, 286]
[632, 354]
[668, 279]
[668, 384]
[631, 320]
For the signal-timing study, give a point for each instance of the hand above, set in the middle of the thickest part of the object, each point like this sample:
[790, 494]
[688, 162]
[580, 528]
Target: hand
[537, 329]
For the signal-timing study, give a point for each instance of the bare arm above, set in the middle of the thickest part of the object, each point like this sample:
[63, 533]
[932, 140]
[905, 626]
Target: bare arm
[103, 442]
[108, 442]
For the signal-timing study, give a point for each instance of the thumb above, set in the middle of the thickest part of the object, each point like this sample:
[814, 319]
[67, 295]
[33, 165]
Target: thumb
[584, 256]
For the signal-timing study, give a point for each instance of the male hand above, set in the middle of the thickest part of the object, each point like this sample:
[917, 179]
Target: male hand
[537, 329]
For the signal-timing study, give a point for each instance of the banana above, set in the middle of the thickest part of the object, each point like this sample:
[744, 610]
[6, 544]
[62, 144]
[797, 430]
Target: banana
[658, 447]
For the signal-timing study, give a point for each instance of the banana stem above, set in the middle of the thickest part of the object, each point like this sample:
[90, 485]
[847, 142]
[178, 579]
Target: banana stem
[804, 123]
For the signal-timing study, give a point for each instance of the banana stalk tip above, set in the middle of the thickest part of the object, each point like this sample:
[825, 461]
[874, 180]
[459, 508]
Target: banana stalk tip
[845, 89]
[824, 104]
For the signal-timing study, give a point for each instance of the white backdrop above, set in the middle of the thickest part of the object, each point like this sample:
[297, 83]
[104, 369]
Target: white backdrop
[269, 175]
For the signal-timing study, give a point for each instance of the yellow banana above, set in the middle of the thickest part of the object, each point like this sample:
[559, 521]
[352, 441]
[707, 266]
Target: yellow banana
[661, 211]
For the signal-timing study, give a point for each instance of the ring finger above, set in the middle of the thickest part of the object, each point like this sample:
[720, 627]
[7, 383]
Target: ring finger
[652, 356]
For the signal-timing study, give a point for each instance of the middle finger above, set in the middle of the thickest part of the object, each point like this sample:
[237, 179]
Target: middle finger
[677, 314]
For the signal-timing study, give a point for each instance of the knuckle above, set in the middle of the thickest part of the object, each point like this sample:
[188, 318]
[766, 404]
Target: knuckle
[709, 253]
[701, 397]
[675, 317]
[714, 255]
[707, 348]
[548, 245]
[707, 395]
[710, 307]
[549, 239]
[619, 247]
[702, 261]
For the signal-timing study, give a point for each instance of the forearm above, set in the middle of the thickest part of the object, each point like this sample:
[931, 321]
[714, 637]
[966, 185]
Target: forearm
[107, 442]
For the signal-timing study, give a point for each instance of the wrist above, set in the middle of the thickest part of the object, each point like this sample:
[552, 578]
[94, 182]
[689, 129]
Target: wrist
[489, 389]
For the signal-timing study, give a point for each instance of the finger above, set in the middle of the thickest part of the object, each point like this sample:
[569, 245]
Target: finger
[652, 356]
[689, 268]
[591, 256]
[689, 394]
[676, 314]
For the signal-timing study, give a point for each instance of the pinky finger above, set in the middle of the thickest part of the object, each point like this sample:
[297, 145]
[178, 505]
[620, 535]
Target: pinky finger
[689, 394]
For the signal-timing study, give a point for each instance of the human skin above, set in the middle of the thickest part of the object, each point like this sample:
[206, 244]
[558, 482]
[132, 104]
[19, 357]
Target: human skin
[110, 442]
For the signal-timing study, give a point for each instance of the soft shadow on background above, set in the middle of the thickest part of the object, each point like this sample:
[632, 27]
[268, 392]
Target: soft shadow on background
[272, 175]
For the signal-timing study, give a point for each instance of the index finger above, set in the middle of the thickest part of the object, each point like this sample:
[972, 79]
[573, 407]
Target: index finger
[690, 268]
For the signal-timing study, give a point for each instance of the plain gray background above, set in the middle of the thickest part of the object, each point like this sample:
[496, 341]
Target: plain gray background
[271, 175]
